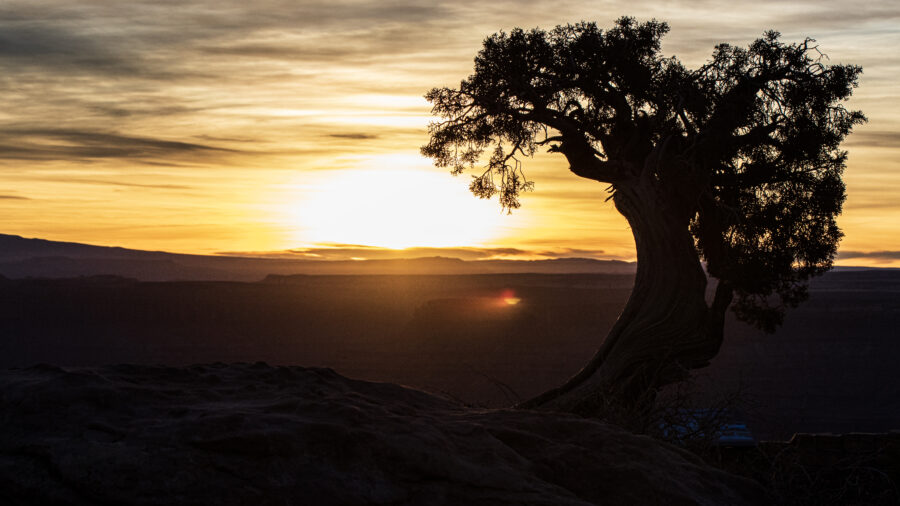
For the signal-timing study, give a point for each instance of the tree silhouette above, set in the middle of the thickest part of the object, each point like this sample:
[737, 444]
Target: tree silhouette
[736, 164]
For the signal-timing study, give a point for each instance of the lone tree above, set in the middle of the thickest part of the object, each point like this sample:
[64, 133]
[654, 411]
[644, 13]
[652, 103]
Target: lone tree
[736, 164]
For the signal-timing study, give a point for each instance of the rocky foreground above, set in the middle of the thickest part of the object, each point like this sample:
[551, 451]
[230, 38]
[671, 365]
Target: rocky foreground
[256, 434]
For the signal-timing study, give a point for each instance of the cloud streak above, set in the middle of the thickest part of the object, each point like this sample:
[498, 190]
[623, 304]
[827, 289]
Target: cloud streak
[54, 48]
[353, 136]
[879, 139]
[124, 184]
[73, 145]
[356, 252]
[886, 256]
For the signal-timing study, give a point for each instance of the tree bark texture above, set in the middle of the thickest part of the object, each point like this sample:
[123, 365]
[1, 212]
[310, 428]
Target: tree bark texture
[666, 327]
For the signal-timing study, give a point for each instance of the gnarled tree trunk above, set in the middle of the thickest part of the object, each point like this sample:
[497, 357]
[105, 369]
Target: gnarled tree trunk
[666, 327]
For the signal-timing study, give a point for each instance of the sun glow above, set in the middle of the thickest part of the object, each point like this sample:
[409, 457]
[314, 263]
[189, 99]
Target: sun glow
[394, 208]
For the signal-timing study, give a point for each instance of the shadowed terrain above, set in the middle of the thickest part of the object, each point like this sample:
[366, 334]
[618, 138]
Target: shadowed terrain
[255, 434]
[830, 368]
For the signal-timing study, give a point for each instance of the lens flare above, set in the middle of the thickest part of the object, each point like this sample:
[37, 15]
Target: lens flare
[509, 298]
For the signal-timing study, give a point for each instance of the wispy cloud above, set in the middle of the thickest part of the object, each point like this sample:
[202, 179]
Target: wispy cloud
[125, 184]
[574, 253]
[356, 252]
[345, 252]
[878, 139]
[353, 136]
[73, 145]
[886, 256]
[53, 47]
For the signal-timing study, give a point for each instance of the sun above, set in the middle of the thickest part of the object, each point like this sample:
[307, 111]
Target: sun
[394, 208]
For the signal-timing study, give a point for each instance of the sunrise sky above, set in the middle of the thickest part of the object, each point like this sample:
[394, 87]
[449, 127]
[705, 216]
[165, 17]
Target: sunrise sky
[208, 126]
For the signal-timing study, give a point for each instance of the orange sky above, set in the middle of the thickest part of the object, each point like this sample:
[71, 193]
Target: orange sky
[209, 126]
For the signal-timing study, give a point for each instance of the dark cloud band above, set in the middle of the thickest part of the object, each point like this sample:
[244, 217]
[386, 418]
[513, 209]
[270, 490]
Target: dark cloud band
[48, 144]
[874, 255]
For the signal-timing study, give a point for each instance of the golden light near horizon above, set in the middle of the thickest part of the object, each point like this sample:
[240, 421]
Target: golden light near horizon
[221, 126]
[393, 208]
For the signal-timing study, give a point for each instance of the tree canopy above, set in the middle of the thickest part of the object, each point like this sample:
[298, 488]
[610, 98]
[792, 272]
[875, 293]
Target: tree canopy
[743, 151]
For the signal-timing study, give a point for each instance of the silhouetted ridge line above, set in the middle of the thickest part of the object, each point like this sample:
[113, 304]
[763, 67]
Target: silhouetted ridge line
[38, 258]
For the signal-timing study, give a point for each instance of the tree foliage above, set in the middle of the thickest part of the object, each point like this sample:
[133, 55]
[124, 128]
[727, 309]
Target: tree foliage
[744, 150]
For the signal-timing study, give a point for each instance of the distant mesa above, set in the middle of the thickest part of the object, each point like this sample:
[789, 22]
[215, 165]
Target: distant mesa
[38, 258]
